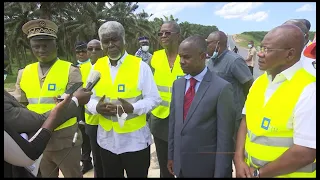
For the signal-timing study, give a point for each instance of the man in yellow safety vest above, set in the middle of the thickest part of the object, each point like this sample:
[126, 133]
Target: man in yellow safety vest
[277, 136]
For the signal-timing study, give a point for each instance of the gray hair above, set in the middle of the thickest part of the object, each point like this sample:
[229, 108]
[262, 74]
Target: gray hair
[175, 25]
[112, 26]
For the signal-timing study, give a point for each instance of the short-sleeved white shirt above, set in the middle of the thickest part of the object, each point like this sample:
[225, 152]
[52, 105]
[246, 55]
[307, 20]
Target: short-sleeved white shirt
[303, 119]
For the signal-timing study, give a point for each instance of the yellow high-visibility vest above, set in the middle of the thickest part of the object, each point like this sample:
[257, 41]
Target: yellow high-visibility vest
[85, 70]
[164, 79]
[125, 86]
[41, 98]
[268, 136]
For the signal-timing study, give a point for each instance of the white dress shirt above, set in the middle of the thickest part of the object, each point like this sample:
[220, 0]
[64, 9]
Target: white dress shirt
[307, 62]
[303, 119]
[198, 77]
[137, 140]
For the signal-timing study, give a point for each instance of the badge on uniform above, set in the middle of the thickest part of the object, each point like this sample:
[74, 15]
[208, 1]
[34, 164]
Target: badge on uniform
[121, 88]
[51, 87]
[265, 123]
[179, 77]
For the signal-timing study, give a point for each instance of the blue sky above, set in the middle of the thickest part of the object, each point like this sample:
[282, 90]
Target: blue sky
[234, 18]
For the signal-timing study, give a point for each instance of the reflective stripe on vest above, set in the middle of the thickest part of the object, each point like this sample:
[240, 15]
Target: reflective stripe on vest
[260, 163]
[40, 99]
[125, 86]
[164, 89]
[268, 134]
[130, 116]
[270, 141]
[164, 78]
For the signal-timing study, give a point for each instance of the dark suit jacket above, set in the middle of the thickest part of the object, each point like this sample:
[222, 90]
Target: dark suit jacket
[23, 120]
[202, 144]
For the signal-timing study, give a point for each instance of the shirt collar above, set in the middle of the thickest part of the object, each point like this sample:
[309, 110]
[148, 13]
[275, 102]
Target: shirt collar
[199, 76]
[287, 74]
[121, 59]
[79, 62]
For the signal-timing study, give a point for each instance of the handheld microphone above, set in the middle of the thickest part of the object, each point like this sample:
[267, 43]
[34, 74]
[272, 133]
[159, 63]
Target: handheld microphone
[75, 138]
[93, 79]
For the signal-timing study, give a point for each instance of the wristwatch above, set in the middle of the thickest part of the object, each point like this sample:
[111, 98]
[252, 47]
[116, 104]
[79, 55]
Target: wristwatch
[256, 173]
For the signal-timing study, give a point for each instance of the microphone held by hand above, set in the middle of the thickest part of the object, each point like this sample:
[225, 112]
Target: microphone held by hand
[93, 79]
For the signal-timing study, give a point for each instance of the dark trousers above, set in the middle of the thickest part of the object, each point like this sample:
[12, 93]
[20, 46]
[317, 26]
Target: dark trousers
[136, 163]
[251, 69]
[91, 131]
[162, 154]
[86, 147]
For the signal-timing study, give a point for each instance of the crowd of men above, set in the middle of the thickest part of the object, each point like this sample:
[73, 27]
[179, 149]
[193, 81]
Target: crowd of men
[198, 99]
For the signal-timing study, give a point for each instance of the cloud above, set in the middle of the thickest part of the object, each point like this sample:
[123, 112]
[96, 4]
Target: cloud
[258, 16]
[306, 7]
[242, 11]
[166, 9]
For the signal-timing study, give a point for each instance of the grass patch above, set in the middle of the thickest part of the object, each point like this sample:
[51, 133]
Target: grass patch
[243, 39]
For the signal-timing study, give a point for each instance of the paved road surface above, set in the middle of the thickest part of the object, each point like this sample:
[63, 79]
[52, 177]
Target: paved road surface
[243, 52]
[231, 43]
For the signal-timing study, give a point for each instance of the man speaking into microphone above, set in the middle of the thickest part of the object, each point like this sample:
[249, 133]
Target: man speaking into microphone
[124, 95]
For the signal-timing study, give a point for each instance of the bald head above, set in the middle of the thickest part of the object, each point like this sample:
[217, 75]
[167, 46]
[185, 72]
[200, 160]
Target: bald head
[306, 22]
[219, 36]
[197, 42]
[297, 23]
[93, 41]
[287, 36]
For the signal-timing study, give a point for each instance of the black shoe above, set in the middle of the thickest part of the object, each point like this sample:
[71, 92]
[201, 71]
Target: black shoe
[86, 167]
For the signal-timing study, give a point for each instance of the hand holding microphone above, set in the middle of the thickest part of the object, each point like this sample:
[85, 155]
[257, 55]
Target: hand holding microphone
[83, 94]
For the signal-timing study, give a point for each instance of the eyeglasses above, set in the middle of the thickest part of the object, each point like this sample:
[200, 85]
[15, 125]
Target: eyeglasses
[167, 33]
[314, 64]
[265, 49]
[95, 49]
[81, 51]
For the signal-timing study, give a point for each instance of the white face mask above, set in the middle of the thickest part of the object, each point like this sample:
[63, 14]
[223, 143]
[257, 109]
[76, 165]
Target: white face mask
[145, 48]
[115, 59]
[123, 117]
[249, 45]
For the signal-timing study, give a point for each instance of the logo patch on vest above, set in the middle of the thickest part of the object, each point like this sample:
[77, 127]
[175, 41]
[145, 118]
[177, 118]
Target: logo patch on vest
[265, 123]
[121, 88]
[51, 87]
[179, 77]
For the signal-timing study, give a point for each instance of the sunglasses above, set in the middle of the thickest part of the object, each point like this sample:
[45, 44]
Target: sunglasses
[81, 51]
[167, 33]
[95, 49]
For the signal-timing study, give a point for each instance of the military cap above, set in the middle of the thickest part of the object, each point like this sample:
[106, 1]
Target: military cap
[143, 39]
[40, 29]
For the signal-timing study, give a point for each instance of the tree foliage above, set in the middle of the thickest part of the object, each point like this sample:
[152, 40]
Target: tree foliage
[81, 21]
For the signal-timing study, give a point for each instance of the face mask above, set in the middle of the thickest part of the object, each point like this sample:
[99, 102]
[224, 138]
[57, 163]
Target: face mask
[249, 45]
[123, 117]
[145, 48]
[5, 76]
[115, 59]
[215, 53]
